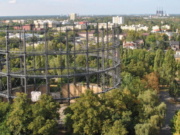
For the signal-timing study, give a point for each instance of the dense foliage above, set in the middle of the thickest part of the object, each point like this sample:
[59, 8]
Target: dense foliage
[135, 106]
[118, 112]
[154, 67]
[176, 124]
[24, 118]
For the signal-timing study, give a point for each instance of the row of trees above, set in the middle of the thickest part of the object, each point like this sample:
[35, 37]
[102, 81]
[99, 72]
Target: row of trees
[134, 109]
[25, 118]
[162, 63]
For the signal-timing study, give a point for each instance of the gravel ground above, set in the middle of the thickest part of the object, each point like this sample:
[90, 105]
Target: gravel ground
[171, 109]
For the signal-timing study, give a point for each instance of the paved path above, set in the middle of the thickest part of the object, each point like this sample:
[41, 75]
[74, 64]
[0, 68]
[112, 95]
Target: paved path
[171, 109]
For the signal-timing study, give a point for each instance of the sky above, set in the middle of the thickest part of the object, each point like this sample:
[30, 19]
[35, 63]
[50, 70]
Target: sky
[86, 7]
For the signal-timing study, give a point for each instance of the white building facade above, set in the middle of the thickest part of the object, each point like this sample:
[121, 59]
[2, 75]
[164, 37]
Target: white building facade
[118, 20]
[73, 16]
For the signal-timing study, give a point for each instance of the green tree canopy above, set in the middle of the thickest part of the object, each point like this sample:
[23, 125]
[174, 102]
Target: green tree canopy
[20, 115]
[44, 116]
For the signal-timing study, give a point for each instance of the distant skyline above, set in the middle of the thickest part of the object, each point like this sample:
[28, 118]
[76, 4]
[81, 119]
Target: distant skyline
[86, 7]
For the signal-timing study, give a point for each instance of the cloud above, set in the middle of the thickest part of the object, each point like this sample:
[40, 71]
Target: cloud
[12, 1]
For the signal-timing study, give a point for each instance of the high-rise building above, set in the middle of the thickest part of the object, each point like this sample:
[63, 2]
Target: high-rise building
[73, 16]
[118, 20]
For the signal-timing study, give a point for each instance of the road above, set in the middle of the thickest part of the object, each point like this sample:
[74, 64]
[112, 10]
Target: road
[171, 109]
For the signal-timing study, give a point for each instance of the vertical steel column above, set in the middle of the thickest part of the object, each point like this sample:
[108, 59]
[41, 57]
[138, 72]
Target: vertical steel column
[46, 61]
[103, 61]
[8, 65]
[21, 57]
[1, 84]
[1, 75]
[1, 71]
[87, 58]
[74, 44]
[60, 67]
[107, 44]
[114, 55]
[107, 51]
[67, 64]
[34, 57]
[24, 62]
[118, 57]
[97, 49]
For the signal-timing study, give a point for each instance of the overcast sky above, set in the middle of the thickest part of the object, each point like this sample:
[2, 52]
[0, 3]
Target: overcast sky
[84, 7]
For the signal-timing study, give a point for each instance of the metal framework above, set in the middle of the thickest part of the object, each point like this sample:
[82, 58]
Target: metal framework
[35, 61]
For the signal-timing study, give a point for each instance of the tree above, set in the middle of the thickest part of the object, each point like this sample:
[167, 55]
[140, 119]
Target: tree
[109, 113]
[132, 35]
[143, 129]
[85, 114]
[151, 113]
[2, 34]
[44, 116]
[168, 68]
[174, 89]
[178, 70]
[158, 60]
[25, 118]
[151, 81]
[120, 106]
[80, 60]
[4, 110]
[176, 124]
[116, 112]
[131, 83]
[151, 40]
[162, 41]
[116, 129]
[20, 115]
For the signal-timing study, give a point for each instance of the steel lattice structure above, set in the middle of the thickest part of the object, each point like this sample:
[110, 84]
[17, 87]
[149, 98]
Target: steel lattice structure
[55, 55]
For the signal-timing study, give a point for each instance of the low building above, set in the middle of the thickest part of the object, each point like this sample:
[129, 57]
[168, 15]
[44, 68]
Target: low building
[177, 55]
[139, 42]
[169, 34]
[43, 23]
[64, 28]
[18, 21]
[138, 27]
[175, 45]
[80, 23]
[102, 25]
[165, 27]
[108, 38]
[24, 27]
[81, 26]
[83, 34]
[21, 36]
[129, 45]
[156, 29]
[6, 21]
[65, 22]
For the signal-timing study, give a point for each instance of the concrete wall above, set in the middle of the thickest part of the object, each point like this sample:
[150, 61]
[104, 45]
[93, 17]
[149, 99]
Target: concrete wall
[78, 89]
[75, 90]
